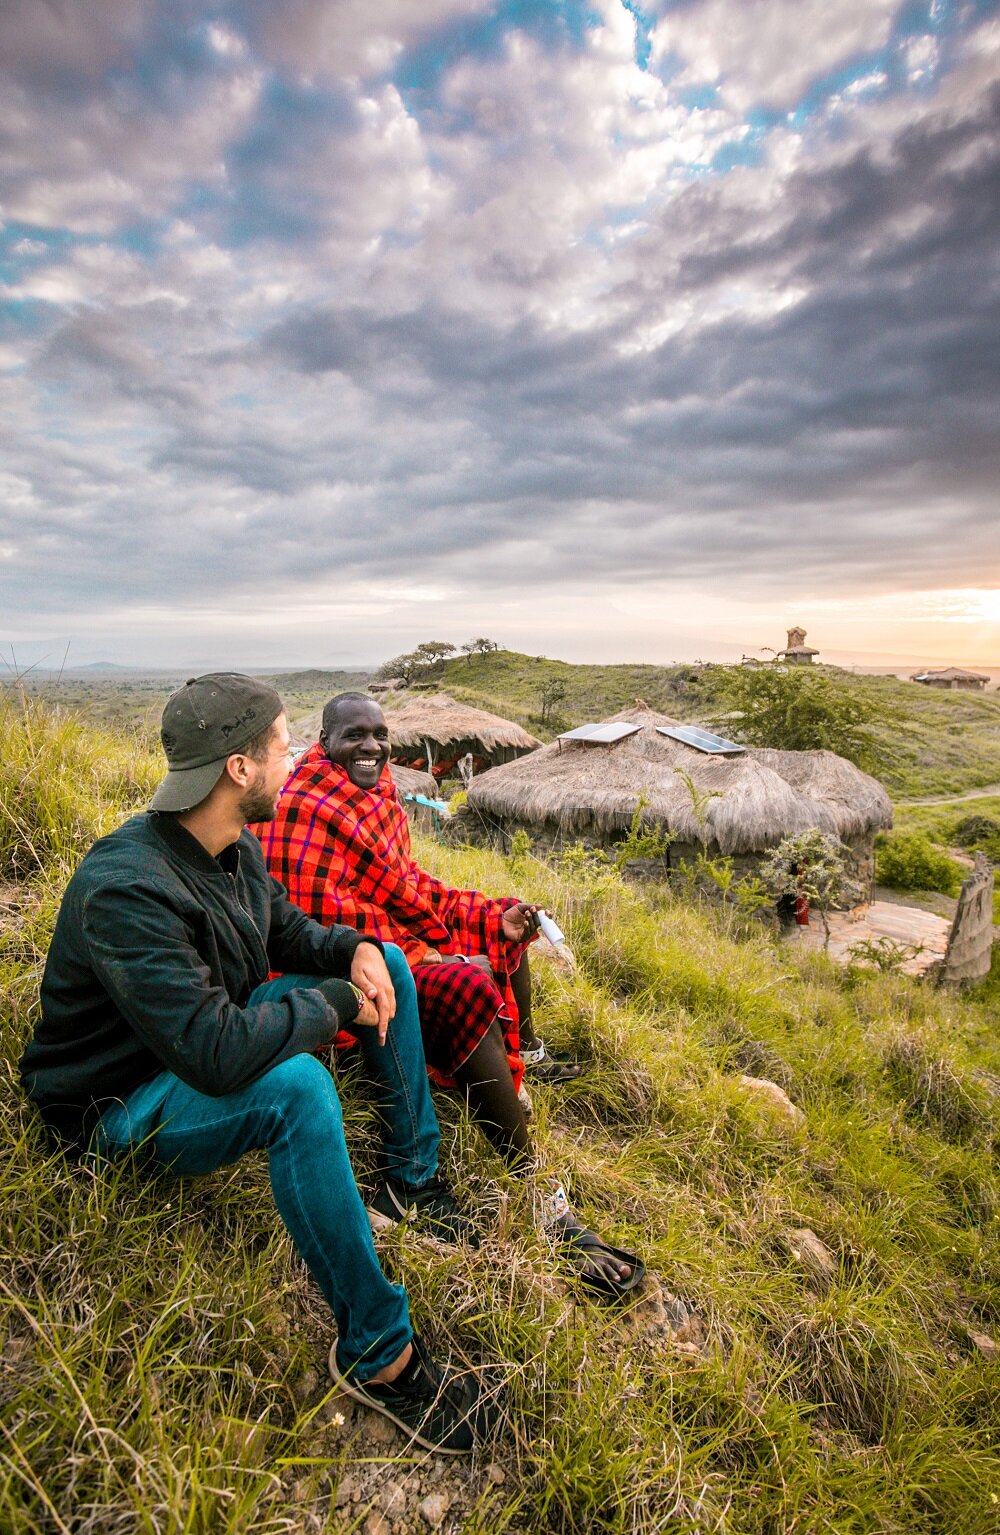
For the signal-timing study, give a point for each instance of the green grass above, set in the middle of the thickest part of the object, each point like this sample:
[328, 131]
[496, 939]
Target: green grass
[926, 742]
[941, 822]
[163, 1349]
[943, 826]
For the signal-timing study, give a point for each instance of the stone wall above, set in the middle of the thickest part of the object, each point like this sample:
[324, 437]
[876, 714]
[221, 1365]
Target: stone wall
[484, 830]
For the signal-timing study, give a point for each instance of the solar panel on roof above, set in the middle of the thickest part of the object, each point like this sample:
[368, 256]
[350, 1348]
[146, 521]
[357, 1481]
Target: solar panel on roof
[701, 740]
[606, 734]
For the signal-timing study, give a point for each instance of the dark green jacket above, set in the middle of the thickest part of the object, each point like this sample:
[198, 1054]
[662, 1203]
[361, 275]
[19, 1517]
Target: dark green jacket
[156, 949]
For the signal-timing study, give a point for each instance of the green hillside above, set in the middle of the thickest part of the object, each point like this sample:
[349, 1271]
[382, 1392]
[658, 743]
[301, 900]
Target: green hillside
[928, 742]
[512, 684]
[163, 1353]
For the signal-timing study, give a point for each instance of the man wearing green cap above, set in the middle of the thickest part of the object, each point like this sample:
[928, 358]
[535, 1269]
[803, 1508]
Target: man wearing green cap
[159, 1029]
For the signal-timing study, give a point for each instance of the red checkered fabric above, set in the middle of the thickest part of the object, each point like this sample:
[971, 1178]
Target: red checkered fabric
[458, 1002]
[343, 854]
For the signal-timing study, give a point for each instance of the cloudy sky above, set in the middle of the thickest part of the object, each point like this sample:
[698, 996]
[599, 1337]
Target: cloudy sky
[634, 329]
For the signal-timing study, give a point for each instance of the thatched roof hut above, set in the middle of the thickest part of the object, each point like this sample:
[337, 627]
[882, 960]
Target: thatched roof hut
[952, 677]
[410, 782]
[436, 731]
[576, 789]
[797, 652]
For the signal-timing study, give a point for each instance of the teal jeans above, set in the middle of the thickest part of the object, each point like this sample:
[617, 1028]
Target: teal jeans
[293, 1113]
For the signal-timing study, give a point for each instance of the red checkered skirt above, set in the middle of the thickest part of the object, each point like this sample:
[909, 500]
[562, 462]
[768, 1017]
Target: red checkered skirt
[457, 1002]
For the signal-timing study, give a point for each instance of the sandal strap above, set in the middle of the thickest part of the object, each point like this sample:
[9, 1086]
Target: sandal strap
[554, 1207]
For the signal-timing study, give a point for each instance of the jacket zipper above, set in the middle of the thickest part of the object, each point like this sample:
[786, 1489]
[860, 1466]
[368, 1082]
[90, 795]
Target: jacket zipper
[253, 927]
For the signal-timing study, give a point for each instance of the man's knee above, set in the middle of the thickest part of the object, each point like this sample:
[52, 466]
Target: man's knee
[301, 1084]
[479, 989]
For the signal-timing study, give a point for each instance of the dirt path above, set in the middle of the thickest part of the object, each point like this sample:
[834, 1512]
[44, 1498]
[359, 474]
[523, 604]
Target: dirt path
[952, 799]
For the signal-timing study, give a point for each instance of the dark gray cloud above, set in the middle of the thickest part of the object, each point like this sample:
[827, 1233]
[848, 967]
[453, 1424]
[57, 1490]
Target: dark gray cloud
[276, 331]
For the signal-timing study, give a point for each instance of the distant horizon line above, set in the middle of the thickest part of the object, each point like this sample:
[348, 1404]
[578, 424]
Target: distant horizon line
[837, 657]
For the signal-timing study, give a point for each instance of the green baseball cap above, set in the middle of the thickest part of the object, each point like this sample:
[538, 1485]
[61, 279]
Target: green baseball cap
[203, 724]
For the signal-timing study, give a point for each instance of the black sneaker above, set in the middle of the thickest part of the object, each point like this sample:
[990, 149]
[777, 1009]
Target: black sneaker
[431, 1208]
[441, 1409]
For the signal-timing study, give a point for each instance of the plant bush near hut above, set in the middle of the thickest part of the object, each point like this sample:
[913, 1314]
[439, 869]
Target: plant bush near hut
[908, 860]
[163, 1363]
[796, 710]
[979, 834]
[810, 866]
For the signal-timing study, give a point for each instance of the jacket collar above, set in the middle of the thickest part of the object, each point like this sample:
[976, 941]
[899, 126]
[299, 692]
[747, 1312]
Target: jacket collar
[181, 842]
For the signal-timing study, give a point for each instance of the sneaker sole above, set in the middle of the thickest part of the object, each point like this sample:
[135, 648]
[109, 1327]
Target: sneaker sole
[378, 1221]
[358, 1394]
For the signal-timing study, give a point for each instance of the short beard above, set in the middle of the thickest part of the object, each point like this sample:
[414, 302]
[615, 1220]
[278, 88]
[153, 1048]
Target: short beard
[256, 805]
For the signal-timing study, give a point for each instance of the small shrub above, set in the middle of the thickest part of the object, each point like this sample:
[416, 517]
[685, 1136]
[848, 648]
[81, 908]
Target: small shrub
[908, 860]
[811, 864]
[979, 833]
[519, 852]
[883, 954]
[646, 840]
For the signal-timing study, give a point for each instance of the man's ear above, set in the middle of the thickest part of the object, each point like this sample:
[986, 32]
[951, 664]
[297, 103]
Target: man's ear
[238, 770]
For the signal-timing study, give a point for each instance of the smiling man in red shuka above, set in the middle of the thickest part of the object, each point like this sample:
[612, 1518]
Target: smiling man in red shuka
[340, 845]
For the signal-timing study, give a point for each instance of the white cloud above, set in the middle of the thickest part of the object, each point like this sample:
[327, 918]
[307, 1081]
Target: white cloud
[511, 337]
[352, 37]
[767, 52]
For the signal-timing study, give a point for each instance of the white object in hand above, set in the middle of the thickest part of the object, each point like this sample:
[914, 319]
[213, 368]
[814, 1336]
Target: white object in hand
[556, 938]
[550, 928]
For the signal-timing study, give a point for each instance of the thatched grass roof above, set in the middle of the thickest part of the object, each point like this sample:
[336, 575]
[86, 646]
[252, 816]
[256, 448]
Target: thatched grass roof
[439, 718]
[763, 794]
[950, 674]
[413, 781]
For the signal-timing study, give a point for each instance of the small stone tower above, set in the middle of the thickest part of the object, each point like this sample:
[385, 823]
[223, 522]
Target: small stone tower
[797, 652]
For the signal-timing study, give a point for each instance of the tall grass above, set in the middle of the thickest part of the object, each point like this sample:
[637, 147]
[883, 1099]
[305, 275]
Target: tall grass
[163, 1349]
[63, 783]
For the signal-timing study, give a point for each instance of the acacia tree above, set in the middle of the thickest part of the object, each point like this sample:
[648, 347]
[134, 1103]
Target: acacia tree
[432, 651]
[552, 692]
[412, 662]
[479, 647]
[405, 667]
[795, 711]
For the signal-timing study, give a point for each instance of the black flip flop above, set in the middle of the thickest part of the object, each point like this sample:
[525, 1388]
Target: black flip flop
[579, 1239]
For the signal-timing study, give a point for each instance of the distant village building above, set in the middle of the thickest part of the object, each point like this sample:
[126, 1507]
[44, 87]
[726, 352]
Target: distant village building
[951, 677]
[797, 652]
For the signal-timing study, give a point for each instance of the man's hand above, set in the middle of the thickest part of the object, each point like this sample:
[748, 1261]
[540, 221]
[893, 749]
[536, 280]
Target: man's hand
[519, 922]
[431, 957]
[368, 970]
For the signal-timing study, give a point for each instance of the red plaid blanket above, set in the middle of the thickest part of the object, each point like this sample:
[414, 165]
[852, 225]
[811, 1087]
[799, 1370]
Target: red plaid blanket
[343, 854]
